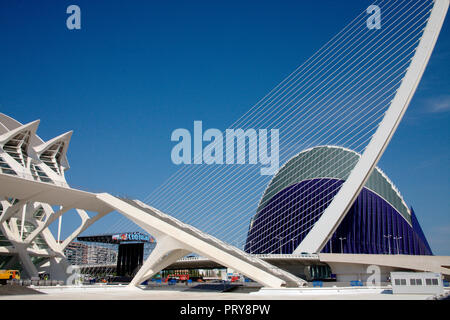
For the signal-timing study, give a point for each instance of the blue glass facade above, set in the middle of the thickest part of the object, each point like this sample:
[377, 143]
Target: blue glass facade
[372, 225]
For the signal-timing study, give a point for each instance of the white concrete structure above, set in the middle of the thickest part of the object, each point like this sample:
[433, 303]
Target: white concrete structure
[176, 239]
[32, 181]
[344, 199]
[348, 267]
[24, 237]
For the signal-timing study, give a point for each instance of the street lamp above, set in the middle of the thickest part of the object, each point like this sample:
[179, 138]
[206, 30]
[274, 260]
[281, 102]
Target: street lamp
[396, 240]
[389, 242]
[342, 248]
[280, 238]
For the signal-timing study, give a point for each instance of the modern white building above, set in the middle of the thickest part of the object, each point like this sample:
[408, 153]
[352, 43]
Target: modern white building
[25, 240]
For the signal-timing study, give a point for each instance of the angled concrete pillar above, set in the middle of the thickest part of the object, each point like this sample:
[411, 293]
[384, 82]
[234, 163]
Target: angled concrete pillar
[166, 252]
[178, 239]
[25, 259]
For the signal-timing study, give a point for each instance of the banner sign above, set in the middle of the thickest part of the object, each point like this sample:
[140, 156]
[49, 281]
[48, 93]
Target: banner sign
[134, 236]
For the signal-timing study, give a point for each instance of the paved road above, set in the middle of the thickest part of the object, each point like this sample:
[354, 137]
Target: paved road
[125, 293]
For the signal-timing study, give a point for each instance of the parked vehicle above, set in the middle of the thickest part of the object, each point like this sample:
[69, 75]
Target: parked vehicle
[9, 275]
[177, 277]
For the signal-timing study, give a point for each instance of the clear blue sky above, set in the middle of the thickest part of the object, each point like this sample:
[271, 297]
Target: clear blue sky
[138, 70]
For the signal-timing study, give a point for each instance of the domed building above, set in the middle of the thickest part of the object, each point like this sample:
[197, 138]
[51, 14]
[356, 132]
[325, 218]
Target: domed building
[378, 222]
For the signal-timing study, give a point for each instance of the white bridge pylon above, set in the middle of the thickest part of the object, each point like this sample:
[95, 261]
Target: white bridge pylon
[333, 215]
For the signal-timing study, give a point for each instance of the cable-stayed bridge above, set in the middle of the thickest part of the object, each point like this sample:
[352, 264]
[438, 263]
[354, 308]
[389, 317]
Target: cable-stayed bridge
[352, 93]
[174, 238]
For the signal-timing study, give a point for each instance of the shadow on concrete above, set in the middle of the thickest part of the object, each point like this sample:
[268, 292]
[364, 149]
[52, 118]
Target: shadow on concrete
[10, 290]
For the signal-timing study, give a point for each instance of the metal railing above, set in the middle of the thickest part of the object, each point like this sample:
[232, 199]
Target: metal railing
[263, 256]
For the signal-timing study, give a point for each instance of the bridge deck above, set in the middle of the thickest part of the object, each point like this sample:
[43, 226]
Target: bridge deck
[290, 280]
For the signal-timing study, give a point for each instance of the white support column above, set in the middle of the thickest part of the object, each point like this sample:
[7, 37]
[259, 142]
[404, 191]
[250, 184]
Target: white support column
[85, 223]
[10, 211]
[25, 259]
[166, 252]
[59, 226]
[42, 226]
[22, 225]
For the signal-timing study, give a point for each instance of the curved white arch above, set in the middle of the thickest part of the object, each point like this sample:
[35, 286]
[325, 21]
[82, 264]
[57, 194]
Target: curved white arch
[333, 215]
